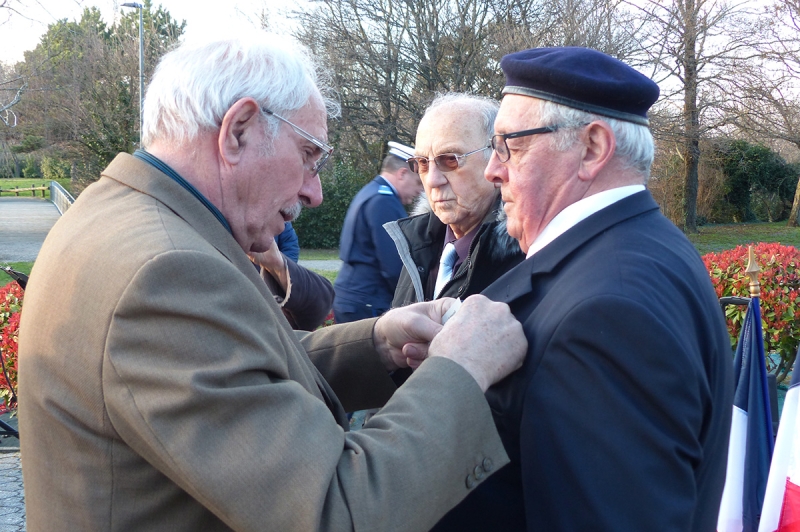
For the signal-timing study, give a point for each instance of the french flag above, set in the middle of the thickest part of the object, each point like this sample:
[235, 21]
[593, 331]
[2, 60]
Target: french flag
[751, 442]
[781, 512]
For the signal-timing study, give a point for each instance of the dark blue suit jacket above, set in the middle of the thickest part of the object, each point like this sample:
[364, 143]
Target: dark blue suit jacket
[619, 418]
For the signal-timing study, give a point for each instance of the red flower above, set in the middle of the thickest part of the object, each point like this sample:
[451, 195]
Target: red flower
[10, 307]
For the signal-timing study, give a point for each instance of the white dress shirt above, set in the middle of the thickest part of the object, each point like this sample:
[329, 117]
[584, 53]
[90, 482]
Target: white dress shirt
[579, 211]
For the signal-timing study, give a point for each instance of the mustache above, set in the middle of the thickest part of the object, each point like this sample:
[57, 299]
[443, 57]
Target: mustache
[293, 212]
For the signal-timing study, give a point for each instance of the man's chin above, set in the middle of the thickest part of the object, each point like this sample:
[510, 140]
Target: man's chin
[261, 247]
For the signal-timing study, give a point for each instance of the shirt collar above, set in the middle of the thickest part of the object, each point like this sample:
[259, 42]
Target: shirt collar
[579, 211]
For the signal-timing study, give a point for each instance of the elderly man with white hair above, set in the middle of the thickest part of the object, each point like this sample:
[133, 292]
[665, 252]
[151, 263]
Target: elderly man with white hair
[456, 244]
[161, 388]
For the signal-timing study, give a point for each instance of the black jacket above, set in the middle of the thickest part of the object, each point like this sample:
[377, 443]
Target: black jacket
[420, 239]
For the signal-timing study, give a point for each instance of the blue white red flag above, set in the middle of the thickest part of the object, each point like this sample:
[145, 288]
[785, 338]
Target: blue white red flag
[781, 512]
[751, 442]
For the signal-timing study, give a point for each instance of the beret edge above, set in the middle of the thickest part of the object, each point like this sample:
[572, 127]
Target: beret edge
[569, 102]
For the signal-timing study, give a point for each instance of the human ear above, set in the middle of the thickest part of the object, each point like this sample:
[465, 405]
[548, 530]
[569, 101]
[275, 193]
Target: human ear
[599, 146]
[236, 133]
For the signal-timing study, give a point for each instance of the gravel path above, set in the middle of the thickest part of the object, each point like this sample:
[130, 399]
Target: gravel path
[24, 223]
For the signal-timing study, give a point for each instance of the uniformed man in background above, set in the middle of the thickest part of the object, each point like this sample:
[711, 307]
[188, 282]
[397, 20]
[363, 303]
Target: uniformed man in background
[371, 266]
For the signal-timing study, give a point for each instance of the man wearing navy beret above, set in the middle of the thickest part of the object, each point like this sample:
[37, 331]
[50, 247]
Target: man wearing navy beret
[619, 418]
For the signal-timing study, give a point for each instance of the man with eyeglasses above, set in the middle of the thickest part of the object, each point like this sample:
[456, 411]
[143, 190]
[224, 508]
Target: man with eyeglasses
[619, 417]
[370, 265]
[161, 387]
[460, 210]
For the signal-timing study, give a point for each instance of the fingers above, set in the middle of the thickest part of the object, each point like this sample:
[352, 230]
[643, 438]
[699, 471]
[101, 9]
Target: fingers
[471, 338]
[415, 354]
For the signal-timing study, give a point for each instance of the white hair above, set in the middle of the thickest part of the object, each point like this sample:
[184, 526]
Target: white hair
[635, 146]
[194, 85]
[486, 108]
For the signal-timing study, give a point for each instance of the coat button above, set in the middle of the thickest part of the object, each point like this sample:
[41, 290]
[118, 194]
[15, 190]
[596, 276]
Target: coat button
[488, 465]
[478, 473]
[420, 269]
[470, 482]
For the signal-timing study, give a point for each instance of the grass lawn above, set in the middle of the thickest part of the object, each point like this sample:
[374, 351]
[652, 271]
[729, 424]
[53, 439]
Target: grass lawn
[9, 184]
[24, 267]
[728, 236]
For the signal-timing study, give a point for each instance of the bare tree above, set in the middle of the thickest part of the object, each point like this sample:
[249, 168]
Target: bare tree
[695, 46]
[10, 94]
[389, 58]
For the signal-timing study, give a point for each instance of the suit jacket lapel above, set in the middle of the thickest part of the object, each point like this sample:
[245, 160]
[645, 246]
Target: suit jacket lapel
[519, 281]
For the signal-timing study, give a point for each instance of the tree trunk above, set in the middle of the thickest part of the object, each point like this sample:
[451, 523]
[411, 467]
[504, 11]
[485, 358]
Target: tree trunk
[691, 119]
[795, 207]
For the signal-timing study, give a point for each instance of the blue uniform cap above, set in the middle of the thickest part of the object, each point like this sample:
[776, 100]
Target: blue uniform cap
[581, 78]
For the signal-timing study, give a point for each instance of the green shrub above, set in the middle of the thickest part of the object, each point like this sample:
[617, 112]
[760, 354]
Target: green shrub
[780, 281]
[320, 227]
[54, 169]
[31, 168]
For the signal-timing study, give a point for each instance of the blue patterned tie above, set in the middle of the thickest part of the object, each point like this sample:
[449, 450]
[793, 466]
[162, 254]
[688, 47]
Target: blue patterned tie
[446, 263]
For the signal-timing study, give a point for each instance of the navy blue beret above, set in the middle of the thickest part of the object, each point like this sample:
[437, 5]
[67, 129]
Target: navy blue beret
[581, 78]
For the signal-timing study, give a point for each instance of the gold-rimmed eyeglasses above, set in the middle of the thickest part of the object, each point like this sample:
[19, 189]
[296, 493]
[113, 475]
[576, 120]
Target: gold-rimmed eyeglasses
[446, 162]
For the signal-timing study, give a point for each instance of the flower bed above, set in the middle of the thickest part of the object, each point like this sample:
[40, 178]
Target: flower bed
[10, 307]
[780, 282]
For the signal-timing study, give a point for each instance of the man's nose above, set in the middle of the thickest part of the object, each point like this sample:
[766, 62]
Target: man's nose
[311, 193]
[435, 177]
[495, 171]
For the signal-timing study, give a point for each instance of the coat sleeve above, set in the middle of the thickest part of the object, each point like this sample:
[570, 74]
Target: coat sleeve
[309, 300]
[288, 243]
[205, 380]
[612, 422]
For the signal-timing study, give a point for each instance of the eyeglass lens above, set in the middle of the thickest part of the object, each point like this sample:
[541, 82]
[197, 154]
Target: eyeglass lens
[500, 148]
[446, 162]
[321, 162]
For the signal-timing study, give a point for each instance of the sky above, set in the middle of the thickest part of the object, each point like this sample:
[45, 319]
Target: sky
[21, 31]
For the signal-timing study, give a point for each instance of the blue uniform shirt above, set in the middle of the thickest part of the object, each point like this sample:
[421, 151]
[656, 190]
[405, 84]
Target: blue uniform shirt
[371, 265]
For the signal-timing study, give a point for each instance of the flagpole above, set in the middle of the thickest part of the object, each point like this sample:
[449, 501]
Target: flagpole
[752, 272]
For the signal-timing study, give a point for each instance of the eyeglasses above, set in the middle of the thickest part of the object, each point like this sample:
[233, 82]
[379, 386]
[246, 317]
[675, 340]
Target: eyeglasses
[446, 162]
[499, 141]
[326, 149]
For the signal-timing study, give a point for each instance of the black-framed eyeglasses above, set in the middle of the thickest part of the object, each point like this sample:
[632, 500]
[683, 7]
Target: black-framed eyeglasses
[446, 162]
[326, 149]
[499, 141]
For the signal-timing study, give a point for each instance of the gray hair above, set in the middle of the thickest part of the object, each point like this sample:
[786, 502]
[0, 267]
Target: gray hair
[485, 107]
[194, 85]
[635, 147]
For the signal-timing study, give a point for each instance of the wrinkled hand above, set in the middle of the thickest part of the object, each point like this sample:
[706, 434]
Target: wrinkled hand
[402, 335]
[484, 338]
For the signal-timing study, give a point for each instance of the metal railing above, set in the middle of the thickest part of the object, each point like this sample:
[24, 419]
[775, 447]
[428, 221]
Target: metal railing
[60, 197]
